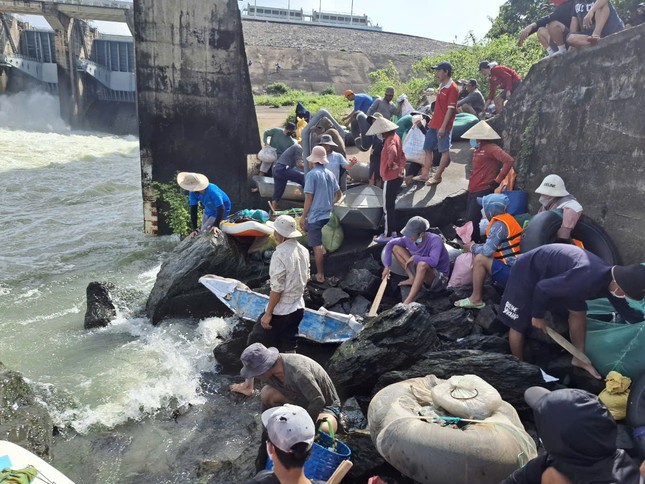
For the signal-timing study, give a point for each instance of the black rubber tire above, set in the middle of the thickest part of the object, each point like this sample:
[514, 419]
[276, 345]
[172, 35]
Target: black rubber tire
[543, 228]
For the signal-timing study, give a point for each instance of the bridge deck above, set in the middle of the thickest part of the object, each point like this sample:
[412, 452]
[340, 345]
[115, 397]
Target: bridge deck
[112, 11]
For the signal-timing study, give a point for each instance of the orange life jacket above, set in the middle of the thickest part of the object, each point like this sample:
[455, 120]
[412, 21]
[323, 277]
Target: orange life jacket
[514, 236]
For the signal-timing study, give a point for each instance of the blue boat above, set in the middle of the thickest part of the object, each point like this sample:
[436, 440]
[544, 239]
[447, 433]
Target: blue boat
[321, 326]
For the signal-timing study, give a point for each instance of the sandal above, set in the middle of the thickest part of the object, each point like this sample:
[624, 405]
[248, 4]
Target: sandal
[466, 304]
[433, 181]
[382, 239]
[420, 178]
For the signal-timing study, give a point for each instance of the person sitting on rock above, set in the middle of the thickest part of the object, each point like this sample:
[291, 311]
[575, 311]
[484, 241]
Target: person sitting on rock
[499, 77]
[285, 170]
[337, 162]
[497, 255]
[638, 17]
[579, 436]
[290, 378]
[290, 437]
[554, 196]
[591, 20]
[216, 203]
[562, 277]
[385, 106]
[561, 14]
[279, 138]
[473, 103]
[423, 256]
[288, 276]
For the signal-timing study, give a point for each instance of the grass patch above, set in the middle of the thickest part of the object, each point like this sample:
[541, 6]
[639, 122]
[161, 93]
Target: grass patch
[337, 105]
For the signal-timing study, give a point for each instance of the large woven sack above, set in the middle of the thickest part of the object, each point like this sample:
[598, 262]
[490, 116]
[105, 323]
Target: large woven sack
[268, 154]
[332, 234]
[467, 396]
[413, 145]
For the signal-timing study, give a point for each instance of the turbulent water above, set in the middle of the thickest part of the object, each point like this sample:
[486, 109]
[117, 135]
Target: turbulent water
[71, 213]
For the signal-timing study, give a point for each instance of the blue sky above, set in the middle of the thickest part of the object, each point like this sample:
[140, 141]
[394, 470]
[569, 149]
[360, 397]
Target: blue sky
[436, 19]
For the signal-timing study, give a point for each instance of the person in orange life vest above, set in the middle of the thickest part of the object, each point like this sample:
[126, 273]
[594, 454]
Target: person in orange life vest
[497, 255]
[491, 164]
[554, 196]
[499, 76]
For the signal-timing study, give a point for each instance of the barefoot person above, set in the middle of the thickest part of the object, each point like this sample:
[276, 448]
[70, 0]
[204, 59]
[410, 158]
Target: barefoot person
[562, 276]
[216, 203]
[321, 191]
[591, 20]
[290, 378]
[422, 255]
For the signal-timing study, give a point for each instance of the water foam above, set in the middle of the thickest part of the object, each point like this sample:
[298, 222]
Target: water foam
[33, 111]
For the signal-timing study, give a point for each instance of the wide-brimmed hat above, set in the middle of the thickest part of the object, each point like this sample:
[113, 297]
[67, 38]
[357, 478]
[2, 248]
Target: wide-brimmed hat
[257, 359]
[286, 226]
[415, 226]
[381, 125]
[318, 155]
[289, 425]
[481, 130]
[552, 186]
[193, 182]
[325, 139]
[631, 280]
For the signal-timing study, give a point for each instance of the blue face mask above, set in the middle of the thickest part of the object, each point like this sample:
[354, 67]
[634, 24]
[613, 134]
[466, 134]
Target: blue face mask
[419, 240]
[474, 143]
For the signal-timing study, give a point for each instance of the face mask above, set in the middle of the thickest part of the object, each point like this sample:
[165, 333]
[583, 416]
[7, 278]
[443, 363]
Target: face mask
[474, 143]
[544, 200]
[419, 240]
[380, 136]
[622, 296]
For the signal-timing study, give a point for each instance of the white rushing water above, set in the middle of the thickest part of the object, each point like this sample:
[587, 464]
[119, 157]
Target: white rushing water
[71, 214]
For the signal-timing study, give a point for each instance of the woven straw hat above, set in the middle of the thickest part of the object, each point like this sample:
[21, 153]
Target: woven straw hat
[193, 182]
[381, 125]
[481, 131]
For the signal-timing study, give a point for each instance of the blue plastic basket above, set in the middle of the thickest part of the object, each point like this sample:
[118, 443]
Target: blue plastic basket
[323, 461]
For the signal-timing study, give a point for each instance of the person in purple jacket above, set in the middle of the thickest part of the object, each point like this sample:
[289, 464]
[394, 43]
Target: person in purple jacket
[422, 255]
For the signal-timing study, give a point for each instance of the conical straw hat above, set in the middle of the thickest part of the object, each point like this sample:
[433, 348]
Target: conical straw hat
[381, 125]
[481, 131]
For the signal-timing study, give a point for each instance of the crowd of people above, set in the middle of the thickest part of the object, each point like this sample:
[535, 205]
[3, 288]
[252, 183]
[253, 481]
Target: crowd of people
[298, 397]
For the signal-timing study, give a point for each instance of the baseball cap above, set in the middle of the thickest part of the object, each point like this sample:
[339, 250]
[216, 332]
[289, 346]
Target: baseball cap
[631, 280]
[348, 93]
[444, 66]
[473, 82]
[289, 425]
[257, 359]
[484, 65]
[415, 226]
[290, 126]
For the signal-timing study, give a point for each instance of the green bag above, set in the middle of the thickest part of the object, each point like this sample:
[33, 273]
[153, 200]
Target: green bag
[18, 476]
[332, 234]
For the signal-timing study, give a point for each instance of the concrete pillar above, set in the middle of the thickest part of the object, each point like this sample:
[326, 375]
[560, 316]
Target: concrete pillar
[195, 104]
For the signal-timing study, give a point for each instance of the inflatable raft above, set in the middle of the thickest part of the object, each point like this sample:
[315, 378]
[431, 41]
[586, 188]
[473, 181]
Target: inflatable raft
[14, 457]
[456, 431]
[249, 228]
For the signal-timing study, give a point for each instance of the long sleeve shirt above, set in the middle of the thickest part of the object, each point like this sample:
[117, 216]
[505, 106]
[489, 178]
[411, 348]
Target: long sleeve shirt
[504, 77]
[280, 141]
[490, 163]
[392, 158]
[432, 251]
[288, 275]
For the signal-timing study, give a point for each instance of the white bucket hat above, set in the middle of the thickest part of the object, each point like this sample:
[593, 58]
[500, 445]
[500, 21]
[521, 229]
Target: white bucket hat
[318, 155]
[381, 125]
[552, 186]
[481, 130]
[285, 226]
[193, 182]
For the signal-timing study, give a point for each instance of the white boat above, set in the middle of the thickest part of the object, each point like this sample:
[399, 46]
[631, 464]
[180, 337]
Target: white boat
[293, 191]
[321, 326]
[362, 207]
[14, 457]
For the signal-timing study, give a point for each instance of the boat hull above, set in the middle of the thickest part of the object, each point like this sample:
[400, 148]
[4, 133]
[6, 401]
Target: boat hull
[293, 191]
[361, 208]
[15, 457]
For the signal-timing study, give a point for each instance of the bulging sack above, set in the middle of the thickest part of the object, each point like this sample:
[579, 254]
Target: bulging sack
[467, 396]
[268, 154]
[332, 234]
[413, 145]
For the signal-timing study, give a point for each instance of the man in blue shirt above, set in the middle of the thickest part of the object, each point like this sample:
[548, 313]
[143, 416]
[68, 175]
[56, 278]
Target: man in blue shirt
[358, 119]
[216, 203]
[321, 191]
[563, 276]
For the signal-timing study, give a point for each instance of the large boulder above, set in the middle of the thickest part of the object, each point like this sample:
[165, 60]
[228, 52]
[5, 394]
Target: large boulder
[100, 308]
[23, 420]
[510, 376]
[360, 281]
[394, 339]
[177, 291]
[227, 353]
[452, 324]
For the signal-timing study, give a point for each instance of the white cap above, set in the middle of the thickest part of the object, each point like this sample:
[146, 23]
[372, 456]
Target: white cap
[289, 425]
[552, 186]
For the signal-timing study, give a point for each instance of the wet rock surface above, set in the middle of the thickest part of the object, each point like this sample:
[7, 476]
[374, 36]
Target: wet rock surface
[360, 282]
[23, 420]
[100, 307]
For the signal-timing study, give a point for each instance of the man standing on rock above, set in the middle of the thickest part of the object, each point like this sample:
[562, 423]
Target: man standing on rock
[422, 255]
[321, 191]
[288, 276]
[216, 203]
[563, 276]
[290, 378]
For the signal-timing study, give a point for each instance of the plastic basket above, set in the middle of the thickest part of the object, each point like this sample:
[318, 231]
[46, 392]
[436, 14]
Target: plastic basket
[323, 461]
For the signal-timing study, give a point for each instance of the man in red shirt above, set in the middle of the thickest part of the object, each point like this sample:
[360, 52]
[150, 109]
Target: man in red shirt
[499, 76]
[440, 129]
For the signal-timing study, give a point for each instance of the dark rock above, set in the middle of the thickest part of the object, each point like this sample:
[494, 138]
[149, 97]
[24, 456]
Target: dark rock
[360, 306]
[353, 416]
[370, 264]
[510, 376]
[227, 353]
[177, 290]
[625, 440]
[490, 294]
[392, 340]
[486, 317]
[314, 296]
[334, 295]
[572, 376]
[489, 344]
[360, 281]
[264, 288]
[100, 308]
[367, 462]
[437, 304]
[452, 324]
[23, 420]
[340, 308]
